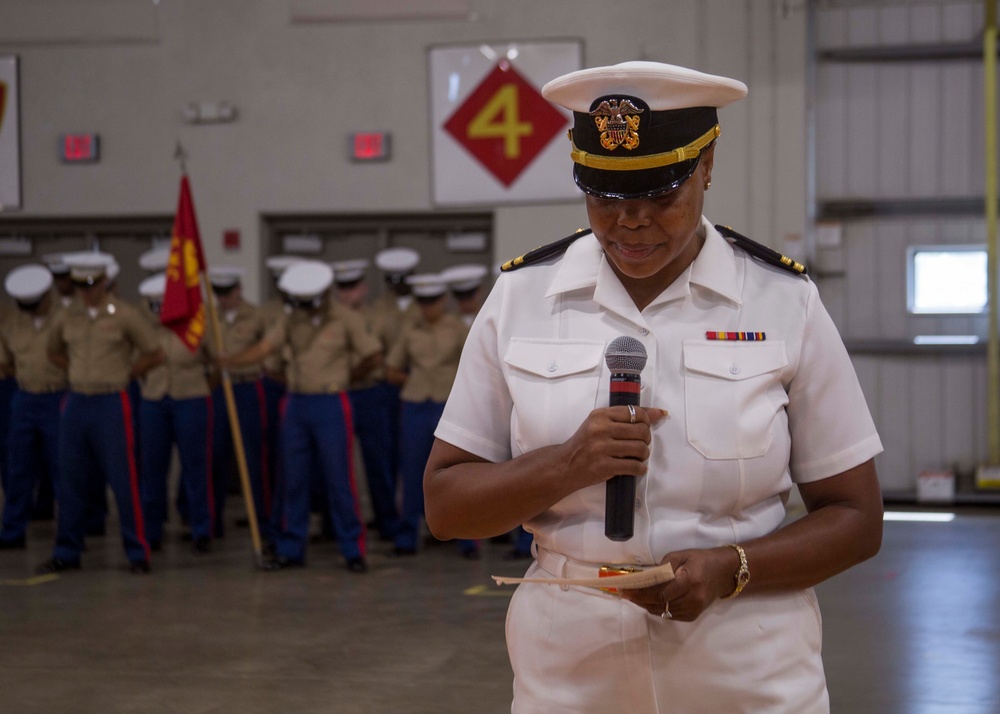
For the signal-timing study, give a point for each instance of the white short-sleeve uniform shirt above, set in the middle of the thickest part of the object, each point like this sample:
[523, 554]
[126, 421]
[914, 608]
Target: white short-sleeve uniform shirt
[746, 420]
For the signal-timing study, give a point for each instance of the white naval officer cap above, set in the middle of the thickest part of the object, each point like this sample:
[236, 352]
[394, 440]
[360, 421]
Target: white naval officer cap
[225, 277]
[88, 267]
[427, 285]
[639, 127]
[56, 263]
[154, 286]
[28, 283]
[155, 259]
[306, 282]
[278, 264]
[397, 261]
[346, 272]
[465, 278]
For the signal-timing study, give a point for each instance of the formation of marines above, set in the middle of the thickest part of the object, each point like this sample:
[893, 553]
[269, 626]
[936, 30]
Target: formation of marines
[98, 394]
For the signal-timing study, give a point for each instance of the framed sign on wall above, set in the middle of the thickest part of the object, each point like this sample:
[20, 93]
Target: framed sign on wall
[10, 135]
[495, 139]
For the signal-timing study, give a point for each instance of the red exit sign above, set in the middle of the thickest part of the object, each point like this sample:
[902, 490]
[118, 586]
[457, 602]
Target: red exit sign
[79, 148]
[370, 146]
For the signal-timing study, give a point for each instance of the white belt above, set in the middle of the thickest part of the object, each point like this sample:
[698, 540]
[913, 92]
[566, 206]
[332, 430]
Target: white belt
[561, 566]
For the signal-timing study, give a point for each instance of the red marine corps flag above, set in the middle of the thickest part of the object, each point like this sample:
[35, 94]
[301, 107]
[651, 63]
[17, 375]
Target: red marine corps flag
[183, 310]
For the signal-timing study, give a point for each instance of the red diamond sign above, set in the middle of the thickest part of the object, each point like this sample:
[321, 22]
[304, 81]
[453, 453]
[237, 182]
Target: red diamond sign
[505, 123]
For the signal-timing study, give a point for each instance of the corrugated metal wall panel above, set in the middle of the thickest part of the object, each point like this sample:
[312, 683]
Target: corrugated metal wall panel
[896, 129]
[867, 299]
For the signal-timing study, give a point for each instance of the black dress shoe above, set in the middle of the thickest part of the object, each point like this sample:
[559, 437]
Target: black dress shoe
[139, 567]
[155, 546]
[57, 565]
[13, 544]
[357, 565]
[280, 562]
[202, 545]
[398, 552]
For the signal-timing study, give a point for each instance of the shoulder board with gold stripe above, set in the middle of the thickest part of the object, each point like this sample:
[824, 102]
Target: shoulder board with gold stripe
[762, 252]
[545, 251]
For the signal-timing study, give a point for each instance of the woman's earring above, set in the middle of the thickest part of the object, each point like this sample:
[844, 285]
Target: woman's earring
[708, 185]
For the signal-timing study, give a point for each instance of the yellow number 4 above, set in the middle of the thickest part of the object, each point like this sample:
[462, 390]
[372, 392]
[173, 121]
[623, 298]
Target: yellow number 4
[499, 118]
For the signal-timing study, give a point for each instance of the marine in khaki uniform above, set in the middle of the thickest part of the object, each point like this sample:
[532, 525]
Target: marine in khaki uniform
[374, 406]
[465, 284]
[242, 325]
[319, 336]
[389, 313]
[394, 308]
[423, 361]
[62, 282]
[7, 388]
[176, 411]
[275, 380]
[94, 340]
[34, 408]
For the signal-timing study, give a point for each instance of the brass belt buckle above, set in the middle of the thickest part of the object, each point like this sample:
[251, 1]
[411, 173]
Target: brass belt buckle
[610, 571]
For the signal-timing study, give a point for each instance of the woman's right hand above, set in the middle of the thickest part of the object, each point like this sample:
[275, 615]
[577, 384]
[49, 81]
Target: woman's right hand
[609, 444]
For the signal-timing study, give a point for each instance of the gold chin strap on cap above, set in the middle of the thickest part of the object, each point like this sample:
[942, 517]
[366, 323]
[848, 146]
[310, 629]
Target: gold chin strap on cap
[652, 161]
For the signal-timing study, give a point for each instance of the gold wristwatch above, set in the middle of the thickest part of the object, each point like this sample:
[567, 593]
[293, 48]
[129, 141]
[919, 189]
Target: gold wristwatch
[742, 575]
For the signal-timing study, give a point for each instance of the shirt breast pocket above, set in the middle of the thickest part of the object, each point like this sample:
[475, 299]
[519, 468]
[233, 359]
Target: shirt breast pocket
[732, 394]
[554, 386]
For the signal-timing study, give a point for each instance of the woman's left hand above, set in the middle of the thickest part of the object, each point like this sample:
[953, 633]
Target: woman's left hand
[700, 578]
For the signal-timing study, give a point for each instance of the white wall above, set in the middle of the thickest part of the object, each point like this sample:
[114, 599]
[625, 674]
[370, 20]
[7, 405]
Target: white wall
[125, 69]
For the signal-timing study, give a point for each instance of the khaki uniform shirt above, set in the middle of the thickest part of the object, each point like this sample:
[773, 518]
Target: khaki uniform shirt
[24, 341]
[182, 373]
[372, 323]
[61, 301]
[272, 312]
[320, 348]
[241, 329]
[431, 354]
[389, 320]
[100, 348]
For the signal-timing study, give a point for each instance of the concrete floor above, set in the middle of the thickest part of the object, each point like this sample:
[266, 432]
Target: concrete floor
[915, 631]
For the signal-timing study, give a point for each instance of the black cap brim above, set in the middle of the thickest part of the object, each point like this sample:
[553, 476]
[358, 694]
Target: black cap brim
[633, 184]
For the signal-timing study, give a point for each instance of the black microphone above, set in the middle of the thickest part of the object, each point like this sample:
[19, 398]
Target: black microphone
[625, 357]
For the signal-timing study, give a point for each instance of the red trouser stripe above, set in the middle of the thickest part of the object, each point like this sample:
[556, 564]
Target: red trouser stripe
[133, 473]
[345, 403]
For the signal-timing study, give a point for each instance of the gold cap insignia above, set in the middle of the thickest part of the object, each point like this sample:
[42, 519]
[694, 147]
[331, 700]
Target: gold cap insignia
[618, 122]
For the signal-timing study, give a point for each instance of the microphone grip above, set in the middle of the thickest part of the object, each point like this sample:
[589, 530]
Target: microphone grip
[619, 497]
[619, 508]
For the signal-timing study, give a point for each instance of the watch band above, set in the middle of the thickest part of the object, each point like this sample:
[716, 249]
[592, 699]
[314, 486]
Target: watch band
[742, 575]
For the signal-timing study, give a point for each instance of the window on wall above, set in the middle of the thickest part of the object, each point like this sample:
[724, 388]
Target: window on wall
[946, 279]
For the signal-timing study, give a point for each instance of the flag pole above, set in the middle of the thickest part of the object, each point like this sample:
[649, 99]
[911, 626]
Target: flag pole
[227, 390]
